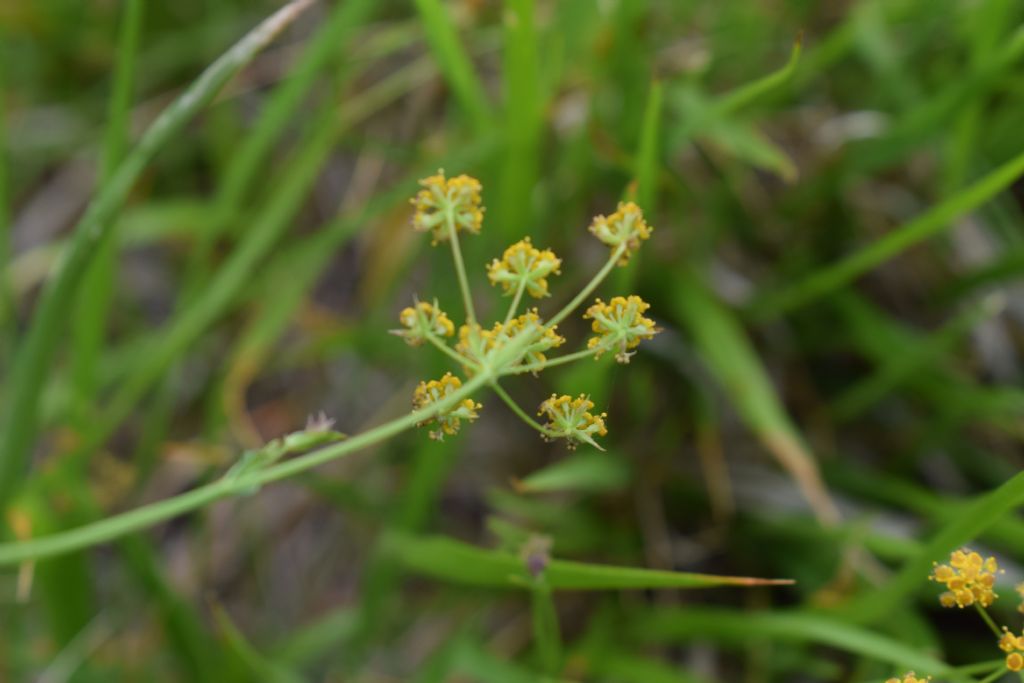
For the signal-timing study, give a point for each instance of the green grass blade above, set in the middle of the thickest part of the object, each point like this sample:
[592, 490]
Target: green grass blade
[8, 304]
[450, 560]
[92, 308]
[36, 352]
[669, 625]
[547, 636]
[974, 520]
[928, 224]
[647, 164]
[454, 62]
[589, 472]
[523, 119]
[728, 354]
[252, 660]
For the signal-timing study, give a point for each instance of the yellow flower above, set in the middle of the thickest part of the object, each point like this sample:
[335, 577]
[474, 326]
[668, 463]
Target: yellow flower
[458, 196]
[968, 578]
[625, 226]
[524, 263]
[619, 324]
[477, 343]
[423, 319]
[534, 353]
[571, 419]
[1013, 646]
[448, 421]
[910, 677]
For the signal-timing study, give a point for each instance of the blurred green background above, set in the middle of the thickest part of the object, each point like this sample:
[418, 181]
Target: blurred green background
[835, 267]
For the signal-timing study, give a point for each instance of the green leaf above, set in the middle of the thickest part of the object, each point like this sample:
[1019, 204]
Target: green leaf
[590, 472]
[456, 562]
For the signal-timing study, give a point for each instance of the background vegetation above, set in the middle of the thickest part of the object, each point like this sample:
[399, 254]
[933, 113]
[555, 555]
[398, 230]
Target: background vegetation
[835, 396]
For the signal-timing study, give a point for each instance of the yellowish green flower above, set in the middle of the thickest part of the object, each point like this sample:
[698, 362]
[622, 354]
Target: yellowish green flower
[477, 343]
[571, 419]
[619, 325]
[448, 421]
[625, 226]
[458, 197]
[969, 579]
[421, 320]
[1013, 646]
[526, 264]
[910, 677]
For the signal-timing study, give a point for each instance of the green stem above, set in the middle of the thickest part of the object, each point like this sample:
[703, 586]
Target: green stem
[460, 268]
[994, 676]
[558, 360]
[148, 515]
[515, 300]
[35, 354]
[591, 286]
[988, 620]
[510, 402]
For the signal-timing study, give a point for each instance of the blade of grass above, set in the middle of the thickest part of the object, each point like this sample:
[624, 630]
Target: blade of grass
[974, 520]
[523, 111]
[589, 472]
[256, 664]
[671, 625]
[932, 222]
[547, 636]
[247, 163]
[724, 347]
[36, 351]
[902, 364]
[456, 562]
[454, 62]
[647, 164]
[8, 303]
[92, 307]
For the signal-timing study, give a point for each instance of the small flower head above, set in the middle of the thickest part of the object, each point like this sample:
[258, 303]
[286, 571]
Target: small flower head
[526, 264]
[910, 677]
[459, 196]
[620, 325]
[534, 353]
[1013, 646]
[448, 421]
[625, 226]
[969, 579]
[571, 419]
[478, 343]
[421, 320]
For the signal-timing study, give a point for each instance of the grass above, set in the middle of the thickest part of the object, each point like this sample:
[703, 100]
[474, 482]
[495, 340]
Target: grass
[204, 226]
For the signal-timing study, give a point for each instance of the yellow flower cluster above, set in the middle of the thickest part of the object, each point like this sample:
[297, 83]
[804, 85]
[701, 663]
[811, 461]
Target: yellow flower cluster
[619, 324]
[969, 579]
[421, 320]
[571, 419]
[443, 207]
[440, 197]
[910, 677]
[476, 343]
[525, 265]
[624, 227]
[448, 421]
[1013, 646]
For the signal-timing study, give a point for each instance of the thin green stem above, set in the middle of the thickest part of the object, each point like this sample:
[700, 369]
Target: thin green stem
[141, 518]
[510, 402]
[460, 268]
[514, 306]
[994, 676]
[591, 286]
[558, 360]
[988, 620]
[148, 515]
